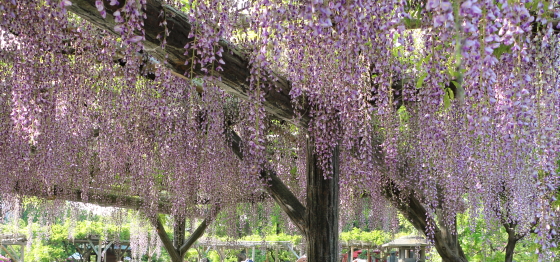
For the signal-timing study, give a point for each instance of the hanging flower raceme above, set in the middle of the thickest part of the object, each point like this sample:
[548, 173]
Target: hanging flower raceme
[454, 103]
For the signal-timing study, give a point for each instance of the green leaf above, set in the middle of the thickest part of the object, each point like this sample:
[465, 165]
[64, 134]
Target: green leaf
[446, 101]
[420, 80]
[502, 49]
[456, 84]
[412, 23]
[447, 97]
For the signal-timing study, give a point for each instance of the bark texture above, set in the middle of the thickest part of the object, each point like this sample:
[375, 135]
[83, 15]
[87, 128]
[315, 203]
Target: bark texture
[176, 252]
[194, 237]
[512, 240]
[179, 233]
[321, 216]
[167, 242]
[410, 206]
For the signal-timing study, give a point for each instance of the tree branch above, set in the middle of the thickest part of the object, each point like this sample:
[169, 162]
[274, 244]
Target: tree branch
[167, 243]
[276, 188]
[194, 237]
[285, 199]
[415, 212]
[94, 197]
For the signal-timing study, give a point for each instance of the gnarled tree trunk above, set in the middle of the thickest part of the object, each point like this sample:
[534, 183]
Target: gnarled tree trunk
[409, 205]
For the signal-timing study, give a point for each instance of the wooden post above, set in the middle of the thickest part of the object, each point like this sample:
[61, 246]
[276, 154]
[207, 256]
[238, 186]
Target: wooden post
[253, 254]
[199, 253]
[104, 250]
[99, 251]
[221, 253]
[321, 216]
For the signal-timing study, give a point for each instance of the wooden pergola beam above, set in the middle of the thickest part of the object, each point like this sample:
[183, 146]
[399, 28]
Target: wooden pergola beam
[96, 197]
[235, 74]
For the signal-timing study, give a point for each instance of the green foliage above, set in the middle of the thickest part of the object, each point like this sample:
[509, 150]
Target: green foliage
[47, 251]
[405, 227]
[213, 255]
[420, 80]
[192, 255]
[502, 49]
[483, 242]
[50, 242]
[448, 96]
[376, 237]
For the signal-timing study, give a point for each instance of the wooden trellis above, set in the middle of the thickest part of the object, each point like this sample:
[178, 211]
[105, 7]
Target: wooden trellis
[352, 246]
[93, 245]
[14, 246]
[221, 246]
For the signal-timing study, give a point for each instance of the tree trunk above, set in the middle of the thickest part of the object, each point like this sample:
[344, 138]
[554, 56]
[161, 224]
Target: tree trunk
[511, 241]
[234, 76]
[409, 205]
[448, 241]
[510, 248]
[193, 237]
[167, 243]
[321, 217]
[178, 252]
[179, 233]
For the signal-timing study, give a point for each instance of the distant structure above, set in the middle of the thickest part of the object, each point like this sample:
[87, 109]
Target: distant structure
[14, 246]
[102, 250]
[408, 249]
[221, 246]
[355, 248]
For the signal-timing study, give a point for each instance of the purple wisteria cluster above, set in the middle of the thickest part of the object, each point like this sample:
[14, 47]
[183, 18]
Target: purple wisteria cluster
[455, 102]
[82, 121]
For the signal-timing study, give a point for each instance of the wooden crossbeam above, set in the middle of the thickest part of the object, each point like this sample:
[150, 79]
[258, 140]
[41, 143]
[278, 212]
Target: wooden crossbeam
[235, 74]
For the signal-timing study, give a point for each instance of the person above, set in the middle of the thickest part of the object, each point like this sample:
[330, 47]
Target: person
[302, 259]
